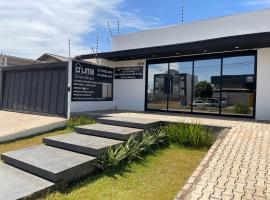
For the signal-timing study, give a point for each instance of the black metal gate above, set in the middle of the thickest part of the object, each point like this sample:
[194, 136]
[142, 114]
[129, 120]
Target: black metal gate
[35, 88]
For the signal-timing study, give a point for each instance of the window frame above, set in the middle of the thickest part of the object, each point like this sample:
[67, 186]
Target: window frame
[194, 58]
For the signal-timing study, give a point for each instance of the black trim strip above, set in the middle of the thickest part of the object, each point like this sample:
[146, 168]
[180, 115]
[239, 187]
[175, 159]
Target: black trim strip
[224, 44]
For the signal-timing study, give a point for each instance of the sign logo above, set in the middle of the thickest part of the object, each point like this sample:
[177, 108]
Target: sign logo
[85, 71]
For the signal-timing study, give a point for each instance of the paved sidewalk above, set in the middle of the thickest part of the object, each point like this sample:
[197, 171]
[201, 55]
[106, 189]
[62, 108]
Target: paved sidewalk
[16, 125]
[239, 168]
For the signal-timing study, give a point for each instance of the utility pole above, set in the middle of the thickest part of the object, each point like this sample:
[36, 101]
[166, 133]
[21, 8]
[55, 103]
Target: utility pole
[182, 11]
[69, 48]
[118, 27]
[110, 30]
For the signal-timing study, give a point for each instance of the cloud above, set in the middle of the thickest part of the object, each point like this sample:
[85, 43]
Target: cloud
[258, 2]
[29, 28]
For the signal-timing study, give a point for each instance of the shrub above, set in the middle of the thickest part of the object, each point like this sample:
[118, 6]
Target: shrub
[79, 121]
[133, 149]
[241, 108]
[193, 135]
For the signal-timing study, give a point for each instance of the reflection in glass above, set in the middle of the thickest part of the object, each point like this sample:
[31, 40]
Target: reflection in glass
[180, 95]
[238, 85]
[158, 83]
[170, 86]
[207, 91]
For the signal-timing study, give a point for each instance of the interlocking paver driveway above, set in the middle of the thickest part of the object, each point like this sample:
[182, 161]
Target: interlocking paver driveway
[240, 167]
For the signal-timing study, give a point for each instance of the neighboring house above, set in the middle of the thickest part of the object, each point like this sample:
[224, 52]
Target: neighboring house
[6, 60]
[47, 57]
[235, 88]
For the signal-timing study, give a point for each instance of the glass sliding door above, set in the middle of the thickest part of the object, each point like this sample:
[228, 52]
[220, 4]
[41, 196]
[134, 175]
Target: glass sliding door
[158, 86]
[238, 85]
[206, 84]
[222, 85]
[180, 95]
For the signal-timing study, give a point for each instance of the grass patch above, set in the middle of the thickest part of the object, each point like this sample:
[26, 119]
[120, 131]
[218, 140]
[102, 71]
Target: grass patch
[79, 121]
[194, 135]
[159, 176]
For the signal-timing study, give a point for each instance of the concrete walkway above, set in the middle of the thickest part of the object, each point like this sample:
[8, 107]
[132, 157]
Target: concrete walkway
[17, 125]
[239, 168]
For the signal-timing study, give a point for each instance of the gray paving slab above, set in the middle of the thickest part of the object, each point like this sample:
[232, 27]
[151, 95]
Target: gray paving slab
[134, 122]
[17, 184]
[51, 163]
[86, 144]
[108, 131]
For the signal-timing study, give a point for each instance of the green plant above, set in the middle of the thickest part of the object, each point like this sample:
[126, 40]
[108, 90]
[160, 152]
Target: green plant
[133, 149]
[181, 134]
[241, 108]
[203, 89]
[193, 135]
[79, 121]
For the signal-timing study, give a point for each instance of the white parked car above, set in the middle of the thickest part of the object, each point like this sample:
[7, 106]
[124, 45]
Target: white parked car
[199, 103]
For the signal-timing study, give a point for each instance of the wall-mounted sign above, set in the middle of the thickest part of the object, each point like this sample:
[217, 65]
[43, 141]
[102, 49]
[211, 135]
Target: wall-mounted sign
[91, 82]
[128, 72]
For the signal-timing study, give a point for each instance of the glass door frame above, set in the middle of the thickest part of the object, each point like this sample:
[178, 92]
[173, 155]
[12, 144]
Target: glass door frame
[203, 57]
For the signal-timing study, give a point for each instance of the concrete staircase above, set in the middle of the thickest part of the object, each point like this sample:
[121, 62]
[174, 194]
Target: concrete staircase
[64, 158]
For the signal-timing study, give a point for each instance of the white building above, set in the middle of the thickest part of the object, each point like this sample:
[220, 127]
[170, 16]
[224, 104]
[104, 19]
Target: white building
[235, 46]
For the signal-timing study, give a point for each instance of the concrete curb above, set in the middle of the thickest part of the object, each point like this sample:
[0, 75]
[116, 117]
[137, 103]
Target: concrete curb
[194, 178]
[33, 131]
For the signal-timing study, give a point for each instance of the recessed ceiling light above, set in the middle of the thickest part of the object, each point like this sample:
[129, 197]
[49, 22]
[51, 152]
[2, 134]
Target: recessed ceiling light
[237, 47]
[177, 53]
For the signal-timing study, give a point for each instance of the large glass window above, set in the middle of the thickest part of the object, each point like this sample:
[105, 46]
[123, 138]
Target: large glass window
[157, 89]
[238, 85]
[219, 86]
[207, 91]
[180, 95]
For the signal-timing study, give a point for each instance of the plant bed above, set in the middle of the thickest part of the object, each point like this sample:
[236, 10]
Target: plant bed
[127, 172]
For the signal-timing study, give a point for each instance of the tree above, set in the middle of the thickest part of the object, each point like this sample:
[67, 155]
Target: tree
[203, 90]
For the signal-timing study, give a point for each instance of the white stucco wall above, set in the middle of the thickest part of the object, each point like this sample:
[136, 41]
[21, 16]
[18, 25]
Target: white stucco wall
[129, 94]
[247, 23]
[263, 85]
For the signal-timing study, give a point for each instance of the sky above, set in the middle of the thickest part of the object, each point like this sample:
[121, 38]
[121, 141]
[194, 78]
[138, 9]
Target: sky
[29, 28]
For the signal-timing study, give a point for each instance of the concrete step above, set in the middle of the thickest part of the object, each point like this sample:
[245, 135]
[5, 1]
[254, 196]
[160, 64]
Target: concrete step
[56, 165]
[133, 122]
[108, 131]
[86, 144]
[18, 184]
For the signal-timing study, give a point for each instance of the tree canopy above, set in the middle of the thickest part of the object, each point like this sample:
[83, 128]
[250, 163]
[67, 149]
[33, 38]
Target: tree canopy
[203, 90]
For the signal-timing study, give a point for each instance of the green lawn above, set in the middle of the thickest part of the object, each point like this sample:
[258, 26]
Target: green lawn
[28, 142]
[158, 177]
